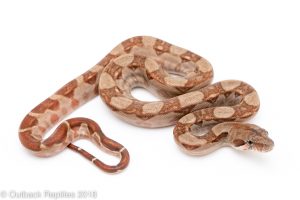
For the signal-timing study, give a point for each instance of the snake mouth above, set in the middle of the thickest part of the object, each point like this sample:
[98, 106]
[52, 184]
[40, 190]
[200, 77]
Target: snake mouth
[264, 147]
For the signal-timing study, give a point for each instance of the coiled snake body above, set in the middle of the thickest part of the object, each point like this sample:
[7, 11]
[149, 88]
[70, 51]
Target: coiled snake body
[206, 116]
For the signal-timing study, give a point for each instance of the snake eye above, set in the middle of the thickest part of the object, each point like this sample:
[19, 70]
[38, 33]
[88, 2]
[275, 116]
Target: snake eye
[250, 144]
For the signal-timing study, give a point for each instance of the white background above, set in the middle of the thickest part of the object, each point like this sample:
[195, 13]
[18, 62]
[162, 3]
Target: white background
[45, 44]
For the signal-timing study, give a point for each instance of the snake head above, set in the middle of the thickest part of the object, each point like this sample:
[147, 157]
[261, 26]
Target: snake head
[251, 137]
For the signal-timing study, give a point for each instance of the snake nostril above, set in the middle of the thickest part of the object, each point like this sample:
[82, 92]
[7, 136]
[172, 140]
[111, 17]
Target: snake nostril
[267, 133]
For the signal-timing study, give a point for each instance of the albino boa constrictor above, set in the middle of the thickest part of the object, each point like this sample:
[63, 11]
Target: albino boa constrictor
[205, 115]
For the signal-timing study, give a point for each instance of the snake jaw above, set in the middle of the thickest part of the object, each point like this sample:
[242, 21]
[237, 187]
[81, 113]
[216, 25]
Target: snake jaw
[265, 146]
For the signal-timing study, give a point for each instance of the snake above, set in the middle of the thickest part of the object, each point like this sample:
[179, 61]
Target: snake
[206, 116]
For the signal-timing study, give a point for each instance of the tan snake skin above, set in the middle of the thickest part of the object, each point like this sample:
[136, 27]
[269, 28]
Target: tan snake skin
[206, 116]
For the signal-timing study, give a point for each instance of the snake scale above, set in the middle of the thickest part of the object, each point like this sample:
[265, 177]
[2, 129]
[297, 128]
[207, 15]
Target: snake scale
[207, 116]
